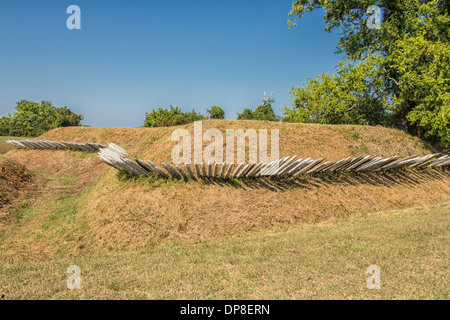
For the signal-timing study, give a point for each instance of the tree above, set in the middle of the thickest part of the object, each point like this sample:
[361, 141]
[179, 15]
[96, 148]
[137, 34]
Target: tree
[399, 19]
[66, 118]
[262, 112]
[216, 112]
[350, 96]
[419, 67]
[4, 125]
[412, 67]
[33, 119]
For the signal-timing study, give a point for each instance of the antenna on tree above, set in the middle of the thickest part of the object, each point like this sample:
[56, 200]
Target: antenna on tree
[267, 99]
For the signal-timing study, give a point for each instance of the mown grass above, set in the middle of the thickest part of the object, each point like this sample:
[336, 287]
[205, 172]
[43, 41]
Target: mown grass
[322, 261]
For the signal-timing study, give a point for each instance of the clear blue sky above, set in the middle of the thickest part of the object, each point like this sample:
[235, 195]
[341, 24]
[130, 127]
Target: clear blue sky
[133, 56]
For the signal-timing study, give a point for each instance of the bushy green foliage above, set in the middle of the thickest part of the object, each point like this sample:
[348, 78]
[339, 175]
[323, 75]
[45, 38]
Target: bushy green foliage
[33, 119]
[263, 112]
[403, 68]
[170, 117]
[4, 125]
[419, 68]
[350, 96]
[247, 114]
[216, 112]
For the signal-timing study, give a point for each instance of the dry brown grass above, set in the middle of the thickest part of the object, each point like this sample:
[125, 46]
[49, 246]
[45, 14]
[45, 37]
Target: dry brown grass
[83, 207]
[133, 214]
[15, 182]
[306, 140]
[321, 261]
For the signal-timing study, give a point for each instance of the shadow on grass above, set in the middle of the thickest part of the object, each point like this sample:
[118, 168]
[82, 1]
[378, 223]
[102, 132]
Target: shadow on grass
[392, 178]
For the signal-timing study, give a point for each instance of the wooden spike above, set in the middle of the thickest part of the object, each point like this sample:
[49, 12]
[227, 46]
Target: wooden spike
[178, 174]
[264, 168]
[252, 171]
[222, 172]
[321, 167]
[310, 166]
[181, 172]
[357, 162]
[209, 169]
[197, 169]
[290, 167]
[236, 171]
[189, 170]
[284, 165]
[272, 167]
[170, 170]
[423, 160]
[144, 166]
[227, 175]
[241, 173]
[204, 175]
[367, 164]
[158, 169]
[215, 170]
[299, 166]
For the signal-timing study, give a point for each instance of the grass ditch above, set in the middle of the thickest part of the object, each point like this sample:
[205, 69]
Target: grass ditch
[43, 229]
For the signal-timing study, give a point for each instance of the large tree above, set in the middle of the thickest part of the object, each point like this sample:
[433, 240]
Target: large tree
[33, 119]
[403, 67]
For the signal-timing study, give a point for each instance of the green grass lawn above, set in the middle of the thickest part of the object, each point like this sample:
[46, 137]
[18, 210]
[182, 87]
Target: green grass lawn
[323, 261]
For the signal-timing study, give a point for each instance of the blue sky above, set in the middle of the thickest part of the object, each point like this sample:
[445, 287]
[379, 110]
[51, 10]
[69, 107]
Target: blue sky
[133, 56]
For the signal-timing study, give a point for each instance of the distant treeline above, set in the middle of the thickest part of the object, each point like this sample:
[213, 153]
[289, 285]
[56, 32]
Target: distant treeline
[34, 119]
[174, 116]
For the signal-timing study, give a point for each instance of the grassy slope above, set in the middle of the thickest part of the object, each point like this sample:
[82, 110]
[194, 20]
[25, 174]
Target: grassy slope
[321, 261]
[306, 140]
[83, 208]
[15, 182]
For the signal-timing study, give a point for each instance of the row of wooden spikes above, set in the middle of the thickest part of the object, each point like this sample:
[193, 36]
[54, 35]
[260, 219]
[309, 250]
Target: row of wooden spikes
[55, 145]
[286, 167]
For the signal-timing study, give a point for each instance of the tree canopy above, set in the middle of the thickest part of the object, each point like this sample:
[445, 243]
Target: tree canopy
[397, 75]
[216, 112]
[263, 112]
[33, 119]
[170, 117]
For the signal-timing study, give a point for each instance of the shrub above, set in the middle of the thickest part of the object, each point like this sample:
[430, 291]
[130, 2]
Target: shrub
[172, 117]
[247, 114]
[263, 112]
[216, 112]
